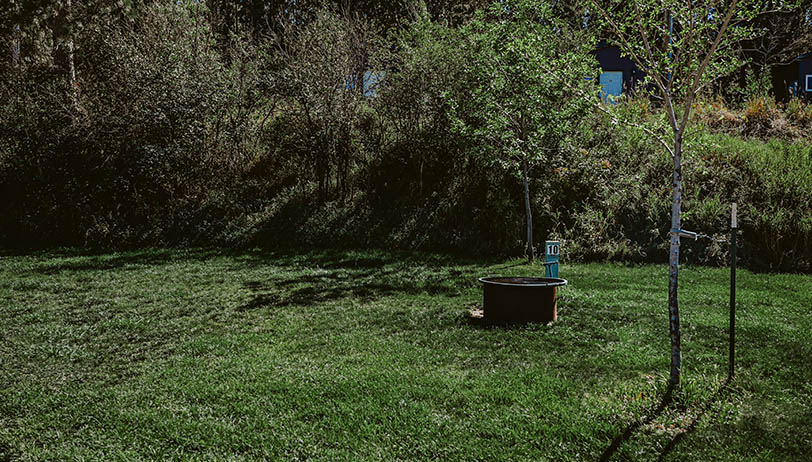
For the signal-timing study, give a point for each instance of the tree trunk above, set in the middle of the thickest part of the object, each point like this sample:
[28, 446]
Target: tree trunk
[15, 46]
[420, 174]
[673, 276]
[62, 52]
[530, 254]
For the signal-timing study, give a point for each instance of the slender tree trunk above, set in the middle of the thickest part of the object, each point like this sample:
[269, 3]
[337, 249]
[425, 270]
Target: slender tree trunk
[530, 254]
[15, 46]
[673, 276]
[62, 52]
[420, 174]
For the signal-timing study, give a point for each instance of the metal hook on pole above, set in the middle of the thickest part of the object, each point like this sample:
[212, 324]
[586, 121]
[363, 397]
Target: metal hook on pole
[684, 233]
[695, 236]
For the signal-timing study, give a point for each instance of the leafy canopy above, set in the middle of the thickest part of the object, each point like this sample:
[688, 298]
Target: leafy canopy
[682, 46]
[525, 71]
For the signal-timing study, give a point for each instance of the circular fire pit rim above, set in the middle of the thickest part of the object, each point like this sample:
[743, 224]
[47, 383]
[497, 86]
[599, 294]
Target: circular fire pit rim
[523, 281]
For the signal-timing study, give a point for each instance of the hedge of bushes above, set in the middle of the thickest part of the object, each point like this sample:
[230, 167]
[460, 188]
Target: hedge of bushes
[184, 136]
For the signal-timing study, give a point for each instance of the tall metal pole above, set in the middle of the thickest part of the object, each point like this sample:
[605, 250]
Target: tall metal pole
[733, 229]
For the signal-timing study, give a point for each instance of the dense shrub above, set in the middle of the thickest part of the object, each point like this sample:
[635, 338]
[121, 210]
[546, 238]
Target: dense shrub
[627, 217]
[177, 134]
[799, 112]
[156, 127]
[321, 65]
[758, 117]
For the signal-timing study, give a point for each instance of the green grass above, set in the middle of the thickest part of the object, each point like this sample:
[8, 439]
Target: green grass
[198, 354]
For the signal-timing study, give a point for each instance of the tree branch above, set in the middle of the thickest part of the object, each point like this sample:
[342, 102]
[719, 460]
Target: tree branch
[672, 118]
[697, 76]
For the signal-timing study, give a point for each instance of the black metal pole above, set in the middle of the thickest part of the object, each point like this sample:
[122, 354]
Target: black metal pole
[733, 229]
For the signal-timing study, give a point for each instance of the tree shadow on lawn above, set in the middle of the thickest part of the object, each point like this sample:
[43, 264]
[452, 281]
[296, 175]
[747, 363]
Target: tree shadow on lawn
[79, 261]
[58, 260]
[648, 418]
[667, 401]
[356, 259]
[335, 285]
[474, 316]
[763, 349]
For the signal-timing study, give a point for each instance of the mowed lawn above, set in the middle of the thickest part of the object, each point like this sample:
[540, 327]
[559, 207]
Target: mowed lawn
[197, 354]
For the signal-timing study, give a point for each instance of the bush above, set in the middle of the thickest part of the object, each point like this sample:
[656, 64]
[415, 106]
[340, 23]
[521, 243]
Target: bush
[184, 136]
[320, 69]
[761, 116]
[800, 112]
[150, 138]
[628, 216]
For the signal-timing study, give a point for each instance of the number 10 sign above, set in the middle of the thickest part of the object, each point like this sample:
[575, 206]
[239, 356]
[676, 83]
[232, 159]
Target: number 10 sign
[551, 251]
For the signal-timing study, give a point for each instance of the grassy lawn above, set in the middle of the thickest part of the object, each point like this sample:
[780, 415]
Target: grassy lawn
[200, 354]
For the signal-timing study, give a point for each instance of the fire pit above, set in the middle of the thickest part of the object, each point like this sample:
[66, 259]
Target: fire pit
[521, 298]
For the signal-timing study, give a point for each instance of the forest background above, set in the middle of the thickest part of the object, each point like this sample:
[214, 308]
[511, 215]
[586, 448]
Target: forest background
[154, 123]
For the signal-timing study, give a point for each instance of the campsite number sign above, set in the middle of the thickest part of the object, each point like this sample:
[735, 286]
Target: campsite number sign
[553, 247]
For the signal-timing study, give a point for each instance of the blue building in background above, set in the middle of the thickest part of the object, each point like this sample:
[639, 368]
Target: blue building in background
[619, 74]
[805, 75]
[794, 79]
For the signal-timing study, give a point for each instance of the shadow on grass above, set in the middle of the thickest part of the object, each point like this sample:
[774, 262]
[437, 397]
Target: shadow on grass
[365, 284]
[474, 317]
[70, 260]
[79, 260]
[692, 426]
[657, 410]
[6, 454]
[626, 434]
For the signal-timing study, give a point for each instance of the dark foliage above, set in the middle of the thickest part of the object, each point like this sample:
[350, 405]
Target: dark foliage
[209, 123]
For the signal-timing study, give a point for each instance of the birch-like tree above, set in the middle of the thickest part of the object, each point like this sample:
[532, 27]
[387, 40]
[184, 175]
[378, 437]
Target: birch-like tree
[519, 114]
[682, 46]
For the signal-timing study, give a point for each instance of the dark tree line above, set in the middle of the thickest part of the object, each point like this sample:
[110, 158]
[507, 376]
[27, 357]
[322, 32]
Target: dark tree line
[158, 122]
